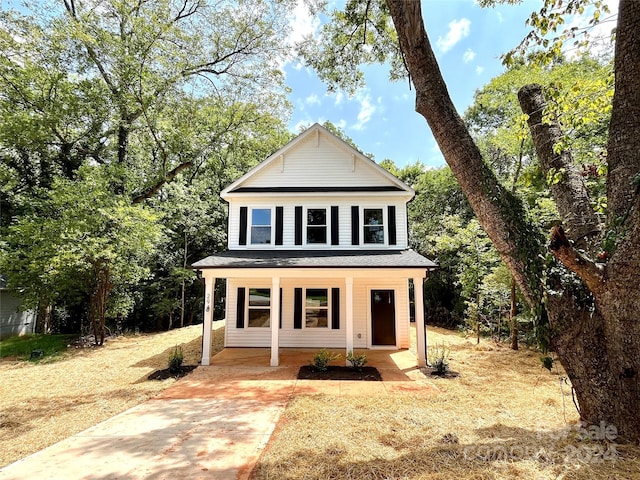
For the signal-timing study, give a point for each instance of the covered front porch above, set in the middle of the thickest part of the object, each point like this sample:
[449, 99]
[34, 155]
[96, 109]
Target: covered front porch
[356, 288]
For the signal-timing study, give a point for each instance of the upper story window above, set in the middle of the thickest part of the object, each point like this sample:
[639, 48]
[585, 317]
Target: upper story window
[373, 221]
[261, 226]
[259, 307]
[316, 308]
[317, 225]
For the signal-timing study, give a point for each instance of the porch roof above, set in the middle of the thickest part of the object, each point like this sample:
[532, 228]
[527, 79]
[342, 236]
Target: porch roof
[315, 259]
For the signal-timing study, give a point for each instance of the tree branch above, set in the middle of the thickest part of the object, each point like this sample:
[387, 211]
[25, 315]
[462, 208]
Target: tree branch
[500, 213]
[70, 6]
[166, 179]
[591, 273]
[570, 193]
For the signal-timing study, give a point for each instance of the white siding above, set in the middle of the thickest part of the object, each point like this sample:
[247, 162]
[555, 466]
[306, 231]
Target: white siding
[318, 337]
[14, 320]
[310, 164]
[344, 204]
[244, 337]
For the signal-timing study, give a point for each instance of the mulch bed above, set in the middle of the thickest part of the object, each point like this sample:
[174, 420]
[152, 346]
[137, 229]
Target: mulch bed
[447, 374]
[309, 372]
[164, 374]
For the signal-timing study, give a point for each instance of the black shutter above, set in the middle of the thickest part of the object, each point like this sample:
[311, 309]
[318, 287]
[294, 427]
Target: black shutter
[279, 220]
[335, 231]
[298, 225]
[280, 308]
[240, 308]
[355, 225]
[242, 240]
[391, 219]
[297, 308]
[335, 308]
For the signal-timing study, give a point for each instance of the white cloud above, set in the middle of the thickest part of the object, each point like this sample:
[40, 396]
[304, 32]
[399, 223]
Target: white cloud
[479, 70]
[312, 99]
[458, 29]
[302, 124]
[598, 35]
[468, 56]
[402, 98]
[339, 98]
[302, 23]
[367, 109]
[341, 124]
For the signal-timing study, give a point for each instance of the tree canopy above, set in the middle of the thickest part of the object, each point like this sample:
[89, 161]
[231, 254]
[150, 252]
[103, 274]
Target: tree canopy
[118, 100]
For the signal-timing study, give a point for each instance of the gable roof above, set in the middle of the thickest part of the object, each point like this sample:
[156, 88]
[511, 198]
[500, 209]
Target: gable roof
[356, 172]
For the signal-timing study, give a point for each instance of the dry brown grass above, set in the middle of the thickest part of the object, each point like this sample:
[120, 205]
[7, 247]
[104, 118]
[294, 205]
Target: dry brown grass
[504, 417]
[41, 404]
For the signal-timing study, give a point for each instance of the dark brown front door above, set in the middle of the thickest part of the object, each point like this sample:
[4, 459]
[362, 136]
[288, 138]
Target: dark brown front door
[383, 317]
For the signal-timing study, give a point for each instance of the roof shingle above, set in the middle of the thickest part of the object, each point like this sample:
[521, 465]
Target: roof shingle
[315, 259]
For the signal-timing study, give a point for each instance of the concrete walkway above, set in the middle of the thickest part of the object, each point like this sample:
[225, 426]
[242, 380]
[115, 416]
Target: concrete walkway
[212, 424]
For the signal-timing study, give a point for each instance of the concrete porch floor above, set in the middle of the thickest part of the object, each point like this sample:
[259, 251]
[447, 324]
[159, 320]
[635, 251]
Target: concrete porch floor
[245, 373]
[393, 360]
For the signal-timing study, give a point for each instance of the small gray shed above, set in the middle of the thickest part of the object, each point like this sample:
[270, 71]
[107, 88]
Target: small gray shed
[13, 320]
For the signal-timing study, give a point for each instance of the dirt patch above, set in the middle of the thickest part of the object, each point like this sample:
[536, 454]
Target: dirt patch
[166, 373]
[309, 372]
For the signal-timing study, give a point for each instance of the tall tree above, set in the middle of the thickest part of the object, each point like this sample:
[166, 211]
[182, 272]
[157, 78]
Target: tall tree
[83, 240]
[150, 91]
[592, 306]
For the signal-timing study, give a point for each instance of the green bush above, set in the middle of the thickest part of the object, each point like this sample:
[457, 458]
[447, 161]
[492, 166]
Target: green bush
[357, 361]
[322, 358]
[176, 357]
[438, 357]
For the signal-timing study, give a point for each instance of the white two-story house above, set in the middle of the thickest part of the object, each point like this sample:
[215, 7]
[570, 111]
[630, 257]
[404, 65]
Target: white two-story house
[317, 254]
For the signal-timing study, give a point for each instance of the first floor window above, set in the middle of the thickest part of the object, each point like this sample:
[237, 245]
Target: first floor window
[260, 226]
[317, 308]
[259, 307]
[373, 225]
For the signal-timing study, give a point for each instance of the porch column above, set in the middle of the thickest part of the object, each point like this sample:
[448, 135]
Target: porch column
[418, 290]
[349, 315]
[209, 293]
[275, 321]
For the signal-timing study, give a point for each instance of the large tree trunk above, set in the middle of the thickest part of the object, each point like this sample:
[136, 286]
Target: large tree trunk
[98, 296]
[43, 317]
[595, 327]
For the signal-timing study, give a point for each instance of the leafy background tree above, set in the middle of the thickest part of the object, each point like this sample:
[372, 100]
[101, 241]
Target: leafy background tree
[150, 107]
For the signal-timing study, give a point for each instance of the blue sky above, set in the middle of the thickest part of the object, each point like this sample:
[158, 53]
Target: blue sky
[468, 41]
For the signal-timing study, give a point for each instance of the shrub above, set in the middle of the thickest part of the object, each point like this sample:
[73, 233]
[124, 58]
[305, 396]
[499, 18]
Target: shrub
[322, 358]
[357, 361]
[176, 357]
[438, 357]
[547, 362]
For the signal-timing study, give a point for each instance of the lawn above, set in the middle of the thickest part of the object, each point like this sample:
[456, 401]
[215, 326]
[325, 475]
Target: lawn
[44, 402]
[503, 417]
[21, 347]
